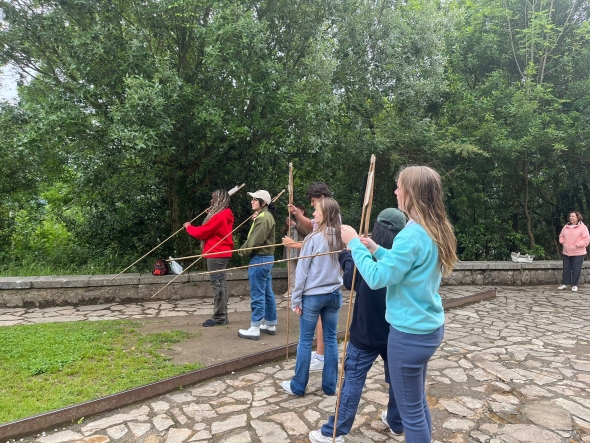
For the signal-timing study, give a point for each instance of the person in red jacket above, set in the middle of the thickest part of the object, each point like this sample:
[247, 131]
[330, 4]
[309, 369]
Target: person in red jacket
[574, 238]
[215, 233]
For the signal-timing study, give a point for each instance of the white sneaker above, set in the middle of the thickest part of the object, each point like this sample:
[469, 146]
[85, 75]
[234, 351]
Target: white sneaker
[384, 420]
[286, 385]
[562, 287]
[318, 437]
[252, 333]
[575, 288]
[316, 364]
[270, 330]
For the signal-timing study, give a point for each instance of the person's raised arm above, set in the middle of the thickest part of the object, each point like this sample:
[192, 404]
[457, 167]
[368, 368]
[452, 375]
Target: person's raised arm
[391, 265]
[205, 231]
[298, 214]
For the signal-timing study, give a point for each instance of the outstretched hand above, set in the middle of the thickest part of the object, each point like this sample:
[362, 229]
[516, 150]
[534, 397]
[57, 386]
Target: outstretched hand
[348, 233]
[294, 210]
[369, 244]
[186, 224]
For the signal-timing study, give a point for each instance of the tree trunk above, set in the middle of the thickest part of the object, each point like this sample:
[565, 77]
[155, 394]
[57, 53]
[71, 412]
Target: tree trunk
[173, 202]
[527, 212]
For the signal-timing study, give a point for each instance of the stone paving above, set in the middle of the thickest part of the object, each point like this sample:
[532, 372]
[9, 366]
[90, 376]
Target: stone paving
[514, 369]
[156, 308]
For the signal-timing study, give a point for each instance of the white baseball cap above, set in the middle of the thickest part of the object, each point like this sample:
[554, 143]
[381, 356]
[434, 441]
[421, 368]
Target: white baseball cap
[263, 195]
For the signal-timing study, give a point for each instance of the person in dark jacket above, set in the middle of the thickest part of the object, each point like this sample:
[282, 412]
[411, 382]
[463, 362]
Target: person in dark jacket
[369, 332]
[215, 233]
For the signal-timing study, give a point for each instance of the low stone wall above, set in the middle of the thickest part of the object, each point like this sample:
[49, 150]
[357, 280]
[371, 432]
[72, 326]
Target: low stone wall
[76, 290]
[493, 273]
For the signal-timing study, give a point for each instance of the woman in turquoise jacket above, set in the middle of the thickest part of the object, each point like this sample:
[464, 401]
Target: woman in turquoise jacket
[411, 270]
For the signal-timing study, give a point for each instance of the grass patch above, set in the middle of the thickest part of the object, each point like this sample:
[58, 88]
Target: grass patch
[49, 366]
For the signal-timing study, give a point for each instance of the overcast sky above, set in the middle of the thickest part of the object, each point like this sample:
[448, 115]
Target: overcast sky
[8, 78]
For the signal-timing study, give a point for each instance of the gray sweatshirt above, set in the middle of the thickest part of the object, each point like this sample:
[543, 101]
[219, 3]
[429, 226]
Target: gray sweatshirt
[317, 275]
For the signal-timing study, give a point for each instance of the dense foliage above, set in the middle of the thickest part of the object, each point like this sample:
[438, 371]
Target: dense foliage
[130, 113]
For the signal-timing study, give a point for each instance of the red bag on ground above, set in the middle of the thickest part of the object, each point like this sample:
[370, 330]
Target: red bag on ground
[160, 267]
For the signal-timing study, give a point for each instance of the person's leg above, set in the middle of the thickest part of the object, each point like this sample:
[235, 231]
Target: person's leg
[356, 366]
[577, 263]
[257, 276]
[329, 315]
[408, 356]
[219, 285]
[425, 401]
[394, 419]
[270, 303]
[567, 271]
[311, 306]
[319, 333]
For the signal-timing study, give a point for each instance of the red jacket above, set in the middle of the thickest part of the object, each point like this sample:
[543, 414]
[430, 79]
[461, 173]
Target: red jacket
[574, 239]
[218, 227]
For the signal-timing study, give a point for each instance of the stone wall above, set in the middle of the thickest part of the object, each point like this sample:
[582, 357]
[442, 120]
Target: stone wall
[73, 290]
[490, 273]
[95, 289]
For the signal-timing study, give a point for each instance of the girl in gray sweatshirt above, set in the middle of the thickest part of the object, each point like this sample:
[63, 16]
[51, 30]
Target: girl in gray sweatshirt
[317, 294]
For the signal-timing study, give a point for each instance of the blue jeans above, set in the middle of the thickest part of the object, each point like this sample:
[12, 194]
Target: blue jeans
[408, 360]
[356, 366]
[262, 299]
[314, 306]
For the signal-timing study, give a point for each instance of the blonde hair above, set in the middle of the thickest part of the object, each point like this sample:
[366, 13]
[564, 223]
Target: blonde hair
[330, 225]
[423, 198]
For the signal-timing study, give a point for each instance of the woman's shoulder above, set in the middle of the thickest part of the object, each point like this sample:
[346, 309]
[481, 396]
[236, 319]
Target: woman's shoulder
[226, 212]
[265, 216]
[315, 238]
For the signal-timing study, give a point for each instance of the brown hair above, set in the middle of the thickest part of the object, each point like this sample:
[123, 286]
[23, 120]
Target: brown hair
[580, 218]
[423, 198]
[220, 199]
[331, 221]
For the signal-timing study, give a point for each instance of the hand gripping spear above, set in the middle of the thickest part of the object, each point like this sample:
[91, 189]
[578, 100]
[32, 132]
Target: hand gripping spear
[213, 247]
[365, 219]
[231, 192]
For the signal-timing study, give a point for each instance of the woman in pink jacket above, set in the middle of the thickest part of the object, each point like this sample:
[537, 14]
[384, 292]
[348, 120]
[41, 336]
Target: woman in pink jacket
[574, 238]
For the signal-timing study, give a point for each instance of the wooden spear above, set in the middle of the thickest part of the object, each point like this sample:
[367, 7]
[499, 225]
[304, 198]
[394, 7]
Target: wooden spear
[269, 262]
[233, 250]
[365, 219]
[288, 264]
[231, 192]
[212, 247]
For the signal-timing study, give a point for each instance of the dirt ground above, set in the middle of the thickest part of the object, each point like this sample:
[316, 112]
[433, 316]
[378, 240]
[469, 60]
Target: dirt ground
[221, 343]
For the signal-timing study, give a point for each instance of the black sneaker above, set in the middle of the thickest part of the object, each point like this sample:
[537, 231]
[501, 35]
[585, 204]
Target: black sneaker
[209, 323]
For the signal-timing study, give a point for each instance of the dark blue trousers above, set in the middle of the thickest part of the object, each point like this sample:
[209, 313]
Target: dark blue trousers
[408, 356]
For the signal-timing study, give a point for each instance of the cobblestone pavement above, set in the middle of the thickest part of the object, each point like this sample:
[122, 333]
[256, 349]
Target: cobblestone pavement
[513, 369]
[156, 308]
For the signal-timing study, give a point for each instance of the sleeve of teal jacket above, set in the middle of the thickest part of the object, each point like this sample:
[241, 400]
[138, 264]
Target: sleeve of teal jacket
[391, 265]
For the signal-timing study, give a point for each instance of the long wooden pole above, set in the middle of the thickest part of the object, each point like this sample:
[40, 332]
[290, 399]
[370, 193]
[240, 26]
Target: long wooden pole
[212, 247]
[232, 250]
[289, 263]
[230, 192]
[364, 227]
[269, 262]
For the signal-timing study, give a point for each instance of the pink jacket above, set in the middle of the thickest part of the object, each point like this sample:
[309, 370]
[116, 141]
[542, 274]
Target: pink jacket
[574, 239]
